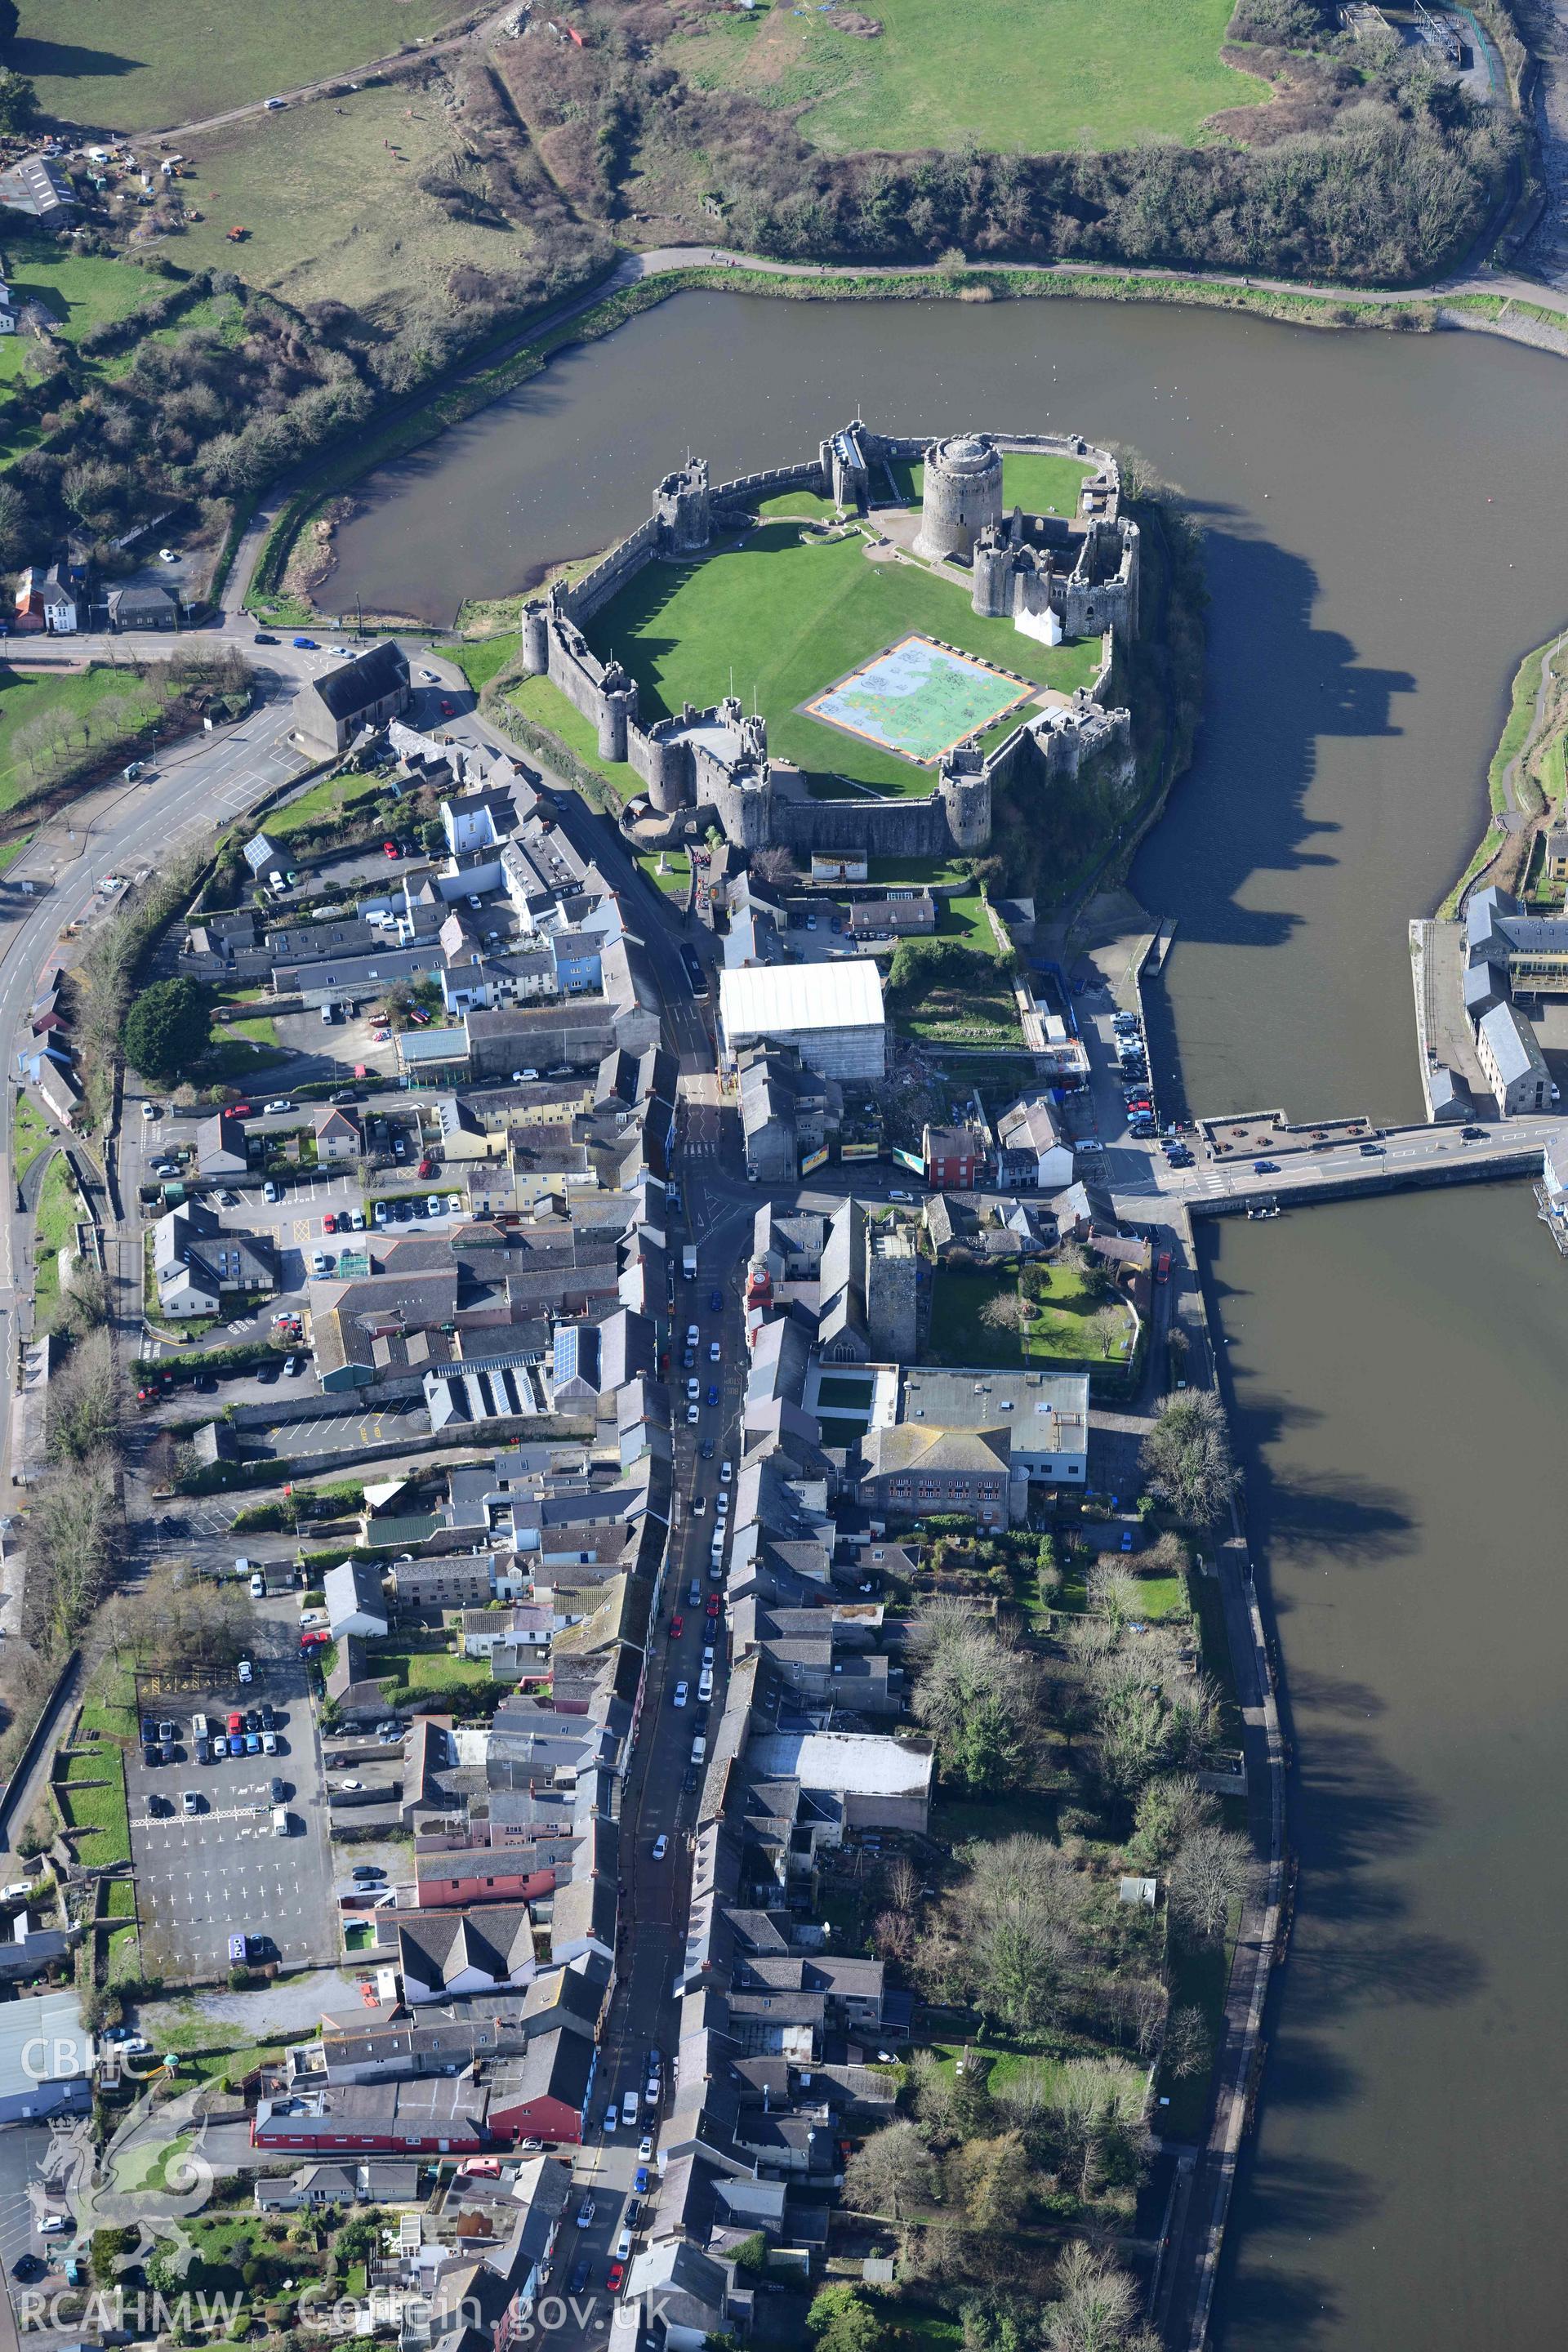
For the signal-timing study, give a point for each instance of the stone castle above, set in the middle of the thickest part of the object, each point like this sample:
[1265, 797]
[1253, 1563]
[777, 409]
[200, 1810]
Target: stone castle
[1053, 577]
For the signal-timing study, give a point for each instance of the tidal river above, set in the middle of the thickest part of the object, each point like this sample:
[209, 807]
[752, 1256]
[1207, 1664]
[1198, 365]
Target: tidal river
[1386, 518]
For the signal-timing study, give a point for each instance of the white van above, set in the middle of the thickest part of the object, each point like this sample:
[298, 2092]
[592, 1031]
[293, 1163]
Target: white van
[699, 1749]
[280, 1821]
[198, 1727]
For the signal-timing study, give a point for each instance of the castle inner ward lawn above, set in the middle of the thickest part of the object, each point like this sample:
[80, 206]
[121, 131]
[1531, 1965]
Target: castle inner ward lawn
[782, 617]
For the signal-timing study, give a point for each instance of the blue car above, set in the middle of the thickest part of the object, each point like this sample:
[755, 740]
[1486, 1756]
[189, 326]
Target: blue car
[715, 1302]
[639, 2181]
[306, 645]
[712, 1393]
[579, 2279]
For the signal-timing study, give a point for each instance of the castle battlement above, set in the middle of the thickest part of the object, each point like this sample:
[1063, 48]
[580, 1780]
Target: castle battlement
[1053, 578]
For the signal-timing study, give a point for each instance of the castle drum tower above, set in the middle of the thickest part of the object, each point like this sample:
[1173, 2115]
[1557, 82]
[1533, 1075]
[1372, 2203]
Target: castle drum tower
[963, 495]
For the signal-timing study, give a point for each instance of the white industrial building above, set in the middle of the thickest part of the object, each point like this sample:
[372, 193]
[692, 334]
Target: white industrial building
[831, 1013]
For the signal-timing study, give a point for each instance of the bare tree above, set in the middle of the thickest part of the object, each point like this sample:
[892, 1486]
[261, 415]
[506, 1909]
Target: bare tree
[1005, 1310]
[1097, 2306]
[87, 1401]
[891, 2173]
[1097, 2102]
[1187, 2045]
[1020, 1918]
[1109, 1324]
[774, 864]
[1208, 1875]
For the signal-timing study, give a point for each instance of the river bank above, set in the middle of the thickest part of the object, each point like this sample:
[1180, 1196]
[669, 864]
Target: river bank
[661, 276]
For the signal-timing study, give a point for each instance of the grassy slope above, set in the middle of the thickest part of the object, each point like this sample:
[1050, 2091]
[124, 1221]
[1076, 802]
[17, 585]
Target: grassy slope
[786, 616]
[27, 696]
[167, 61]
[1018, 75]
[56, 1217]
[330, 203]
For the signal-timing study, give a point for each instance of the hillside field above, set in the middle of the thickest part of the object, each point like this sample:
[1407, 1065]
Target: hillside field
[110, 67]
[1018, 77]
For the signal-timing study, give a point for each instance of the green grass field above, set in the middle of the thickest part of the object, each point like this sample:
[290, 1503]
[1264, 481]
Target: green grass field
[331, 202]
[59, 1208]
[100, 1813]
[72, 698]
[1060, 1334]
[676, 878]
[164, 63]
[1024, 76]
[783, 616]
[29, 1134]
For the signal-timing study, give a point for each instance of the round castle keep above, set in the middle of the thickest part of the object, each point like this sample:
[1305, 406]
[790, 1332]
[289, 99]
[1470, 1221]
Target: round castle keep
[963, 495]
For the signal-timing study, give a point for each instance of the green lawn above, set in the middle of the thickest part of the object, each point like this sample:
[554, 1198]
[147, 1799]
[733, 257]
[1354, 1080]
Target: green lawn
[79, 291]
[1019, 75]
[676, 879]
[1060, 1334]
[478, 658]
[548, 706]
[425, 1665]
[75, 700]
[101, 1814]
[783, 616]
[29, 1135]
[964, 918]
[59, 1208]
[911, 870]
[166, 62]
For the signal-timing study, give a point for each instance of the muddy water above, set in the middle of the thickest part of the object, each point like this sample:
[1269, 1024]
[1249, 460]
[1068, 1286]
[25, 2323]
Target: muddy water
[1386, 518]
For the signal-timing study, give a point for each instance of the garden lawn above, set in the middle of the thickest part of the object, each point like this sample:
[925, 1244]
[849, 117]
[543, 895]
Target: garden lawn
[29, 1136]
[783, 616]
[79, 291]
[415, 1666]
[1019, 75]
[1061, 1333]
[169, 61]
[72, 696]
[55, 1229]
[1062, 1328]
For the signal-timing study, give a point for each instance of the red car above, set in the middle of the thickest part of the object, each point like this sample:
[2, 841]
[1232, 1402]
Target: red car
[390, 849]
[614, 2276]
[426, 1165]
[315, 1639]
[237, 1723]
[714, 1604]
[448, 710]
[677, 1627]
[240, 1110]
[329, 1223]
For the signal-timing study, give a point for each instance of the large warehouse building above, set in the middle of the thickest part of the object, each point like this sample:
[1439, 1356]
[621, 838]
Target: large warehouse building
[831, 1012]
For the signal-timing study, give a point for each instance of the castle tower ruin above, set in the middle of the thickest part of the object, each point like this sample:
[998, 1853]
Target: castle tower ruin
[683, 506]
[962, 497]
